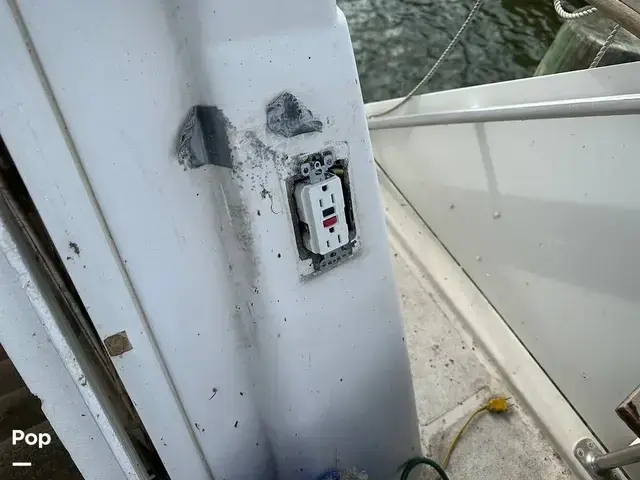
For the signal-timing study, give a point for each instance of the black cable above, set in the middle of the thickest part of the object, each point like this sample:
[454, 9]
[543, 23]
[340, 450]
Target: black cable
[414, 462]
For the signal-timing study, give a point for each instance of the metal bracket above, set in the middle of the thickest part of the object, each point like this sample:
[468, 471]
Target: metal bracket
[317, 166]
[587, 451]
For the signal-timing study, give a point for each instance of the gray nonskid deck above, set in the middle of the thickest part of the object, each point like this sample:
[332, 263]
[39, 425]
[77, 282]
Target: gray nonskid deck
[452, 377]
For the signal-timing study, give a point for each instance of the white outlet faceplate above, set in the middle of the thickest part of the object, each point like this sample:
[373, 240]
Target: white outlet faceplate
[321, 206]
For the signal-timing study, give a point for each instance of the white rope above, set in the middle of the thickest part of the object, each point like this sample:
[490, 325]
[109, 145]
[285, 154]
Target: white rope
[605, 46]
[436, 65]
[562, 13]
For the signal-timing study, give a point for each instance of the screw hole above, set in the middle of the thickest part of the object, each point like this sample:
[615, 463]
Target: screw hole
[580, 452]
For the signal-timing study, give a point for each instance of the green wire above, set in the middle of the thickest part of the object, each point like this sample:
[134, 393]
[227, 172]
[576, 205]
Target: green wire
[414, 462]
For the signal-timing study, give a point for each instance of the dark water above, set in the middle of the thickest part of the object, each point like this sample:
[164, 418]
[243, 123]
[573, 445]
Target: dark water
[397, 41]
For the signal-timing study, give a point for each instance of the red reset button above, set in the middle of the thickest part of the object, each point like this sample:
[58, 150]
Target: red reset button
[330, 221]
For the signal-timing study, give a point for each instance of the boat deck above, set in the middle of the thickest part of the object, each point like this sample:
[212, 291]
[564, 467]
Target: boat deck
[453, 376]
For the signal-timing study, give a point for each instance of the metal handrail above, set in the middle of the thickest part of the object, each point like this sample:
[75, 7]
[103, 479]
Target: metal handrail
[584, 107]
[618, 458]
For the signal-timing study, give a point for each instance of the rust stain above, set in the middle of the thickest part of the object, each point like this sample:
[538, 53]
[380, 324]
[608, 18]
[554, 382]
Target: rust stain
[117, 344]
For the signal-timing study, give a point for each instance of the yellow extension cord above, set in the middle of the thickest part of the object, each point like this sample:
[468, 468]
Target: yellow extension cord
[497, 404]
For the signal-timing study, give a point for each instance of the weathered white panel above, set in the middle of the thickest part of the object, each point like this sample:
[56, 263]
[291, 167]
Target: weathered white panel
[306, 373]
[544, 216]
[36, 142]
[41, 345]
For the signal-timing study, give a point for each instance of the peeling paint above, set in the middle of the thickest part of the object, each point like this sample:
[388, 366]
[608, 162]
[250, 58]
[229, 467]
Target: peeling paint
[204, 139]
[287, 116]
[74, 248]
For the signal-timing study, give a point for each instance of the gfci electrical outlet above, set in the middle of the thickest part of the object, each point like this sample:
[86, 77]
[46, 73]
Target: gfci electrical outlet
[321, 207]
